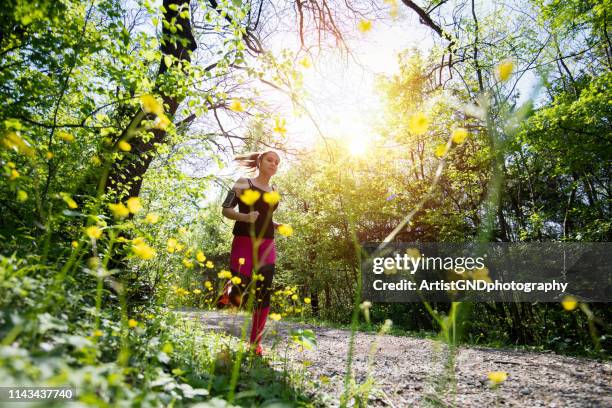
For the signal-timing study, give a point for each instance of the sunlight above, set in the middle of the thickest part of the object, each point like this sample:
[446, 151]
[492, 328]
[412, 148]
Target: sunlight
[357, 146]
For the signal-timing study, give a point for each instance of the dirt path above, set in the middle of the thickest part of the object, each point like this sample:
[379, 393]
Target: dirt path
[408, 372]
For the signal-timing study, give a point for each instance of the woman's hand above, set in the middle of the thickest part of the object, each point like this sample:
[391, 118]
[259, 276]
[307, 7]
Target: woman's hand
[251, 217]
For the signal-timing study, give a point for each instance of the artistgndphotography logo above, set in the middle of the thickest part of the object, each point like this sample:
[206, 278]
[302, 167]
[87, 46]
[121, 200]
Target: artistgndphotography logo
[516, 272]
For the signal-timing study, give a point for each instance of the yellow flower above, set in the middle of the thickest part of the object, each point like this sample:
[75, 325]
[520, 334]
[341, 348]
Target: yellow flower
[208, 285]
[68, 200]
[241, 261]
[14, 141]
[441, 150]
[271, 197]
[96, 161]
[151, 105]
[187, 263]
[210, 265]
[497, 377]
[74, 244]
[119, 210]
[182, 230]
[307, 301]
[250, 196]
[93, 232]
[275, 316]
[459, 135]
[49, 155]
[285, 230]
[364, 26]
[152, 218]
[305, 62]
[134, 205]
[236, 280]
[132, 323]
[162, 122]
[97, 333]
[418, 123]
[200, 256]
[224, 274]
[66, 137]
[142, 250]
[504, 70]
[179, 247]
[125, 146]
[197, 291]
[294, 297]
[236, 105]
[22, 196]
[171, 245]
[569, 303]
[279, 126]
[14, 174]
[168, 348]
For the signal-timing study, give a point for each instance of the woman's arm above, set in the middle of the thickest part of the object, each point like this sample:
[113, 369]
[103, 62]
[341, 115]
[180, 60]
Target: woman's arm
[231, 213]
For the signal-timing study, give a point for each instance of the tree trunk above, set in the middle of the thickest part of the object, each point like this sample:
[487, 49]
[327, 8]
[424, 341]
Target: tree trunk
[128, 172]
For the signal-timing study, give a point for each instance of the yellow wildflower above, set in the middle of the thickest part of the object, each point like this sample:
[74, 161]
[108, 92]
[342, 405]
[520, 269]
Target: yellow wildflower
[307, 301]
[208, 285]
[125, 146]
[14, 141]
[132, 323]
[197, 291]
[418, 123]
[182, 230]
[285, 230]
[200, 256]
[142, 250]
[236, 105]
[97, 333]
[497, 377]
[504, 70]
[459, 135]
[241, 261]
[69, 200]
[162, 122]
[152, 218]
[66, 137]
[119, 210]
[93, 232]
[134, 205]
[171, 245]
[569, 303]
[275, 316]
[187, 263]
[279, 126]
[440, 150]
[236, 280]
[14, 174]
[210, 265]
[74, 244]
[271, 197]
[96, 161]
[224, 274]
[168, 348]
[22, 196]
[151, 105]
[305, 62]
[250, 196]
[49, 155]
[364, 26]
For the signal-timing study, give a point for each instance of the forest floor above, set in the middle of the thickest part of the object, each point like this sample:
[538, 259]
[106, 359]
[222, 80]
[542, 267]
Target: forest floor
[410, 372]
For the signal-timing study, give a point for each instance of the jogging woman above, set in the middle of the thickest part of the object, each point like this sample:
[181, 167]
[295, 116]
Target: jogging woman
[253, 248]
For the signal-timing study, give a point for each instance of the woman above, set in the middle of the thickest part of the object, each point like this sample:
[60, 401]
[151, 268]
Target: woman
[253, 245]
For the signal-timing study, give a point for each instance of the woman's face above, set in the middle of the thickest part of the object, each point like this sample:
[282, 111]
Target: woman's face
[269, 163]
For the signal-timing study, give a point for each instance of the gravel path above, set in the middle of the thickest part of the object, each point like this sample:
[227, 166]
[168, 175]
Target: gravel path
[410, 372]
